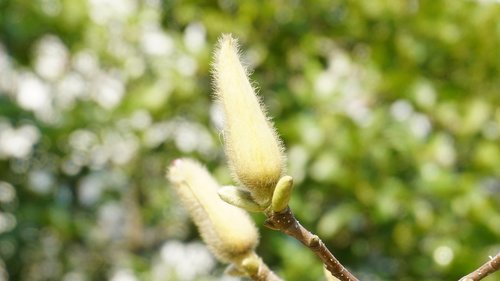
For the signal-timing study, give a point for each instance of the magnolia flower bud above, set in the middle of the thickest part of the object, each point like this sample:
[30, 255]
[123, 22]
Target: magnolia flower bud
[253, 148]
[227, 230]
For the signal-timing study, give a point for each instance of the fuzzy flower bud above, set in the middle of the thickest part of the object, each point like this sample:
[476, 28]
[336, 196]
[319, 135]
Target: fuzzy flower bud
[227, 230]
[253, 148]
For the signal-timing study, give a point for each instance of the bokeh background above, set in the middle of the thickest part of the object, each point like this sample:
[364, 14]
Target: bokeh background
[390, 112]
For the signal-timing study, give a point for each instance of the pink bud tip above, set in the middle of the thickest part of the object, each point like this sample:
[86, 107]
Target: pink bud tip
[176, 162]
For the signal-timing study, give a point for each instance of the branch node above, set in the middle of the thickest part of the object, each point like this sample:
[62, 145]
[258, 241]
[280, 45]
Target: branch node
[269, 224]
[315, 242]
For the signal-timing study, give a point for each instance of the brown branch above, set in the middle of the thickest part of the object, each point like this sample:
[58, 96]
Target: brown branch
[486, 269]
[286, 222]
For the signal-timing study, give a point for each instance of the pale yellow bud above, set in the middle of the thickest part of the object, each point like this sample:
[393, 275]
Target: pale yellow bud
[282, 194]
[252, 146]
[227, 230]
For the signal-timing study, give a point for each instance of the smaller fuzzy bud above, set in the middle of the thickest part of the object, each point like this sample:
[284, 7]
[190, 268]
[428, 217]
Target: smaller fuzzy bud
[227, 230]
[253, 148]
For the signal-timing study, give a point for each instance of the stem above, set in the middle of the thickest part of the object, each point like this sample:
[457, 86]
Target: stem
[486, 269]
[286, 222]
[265, 274]
[252, 267]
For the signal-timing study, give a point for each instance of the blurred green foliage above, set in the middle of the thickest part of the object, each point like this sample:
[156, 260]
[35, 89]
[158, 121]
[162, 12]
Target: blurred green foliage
[390, 111]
